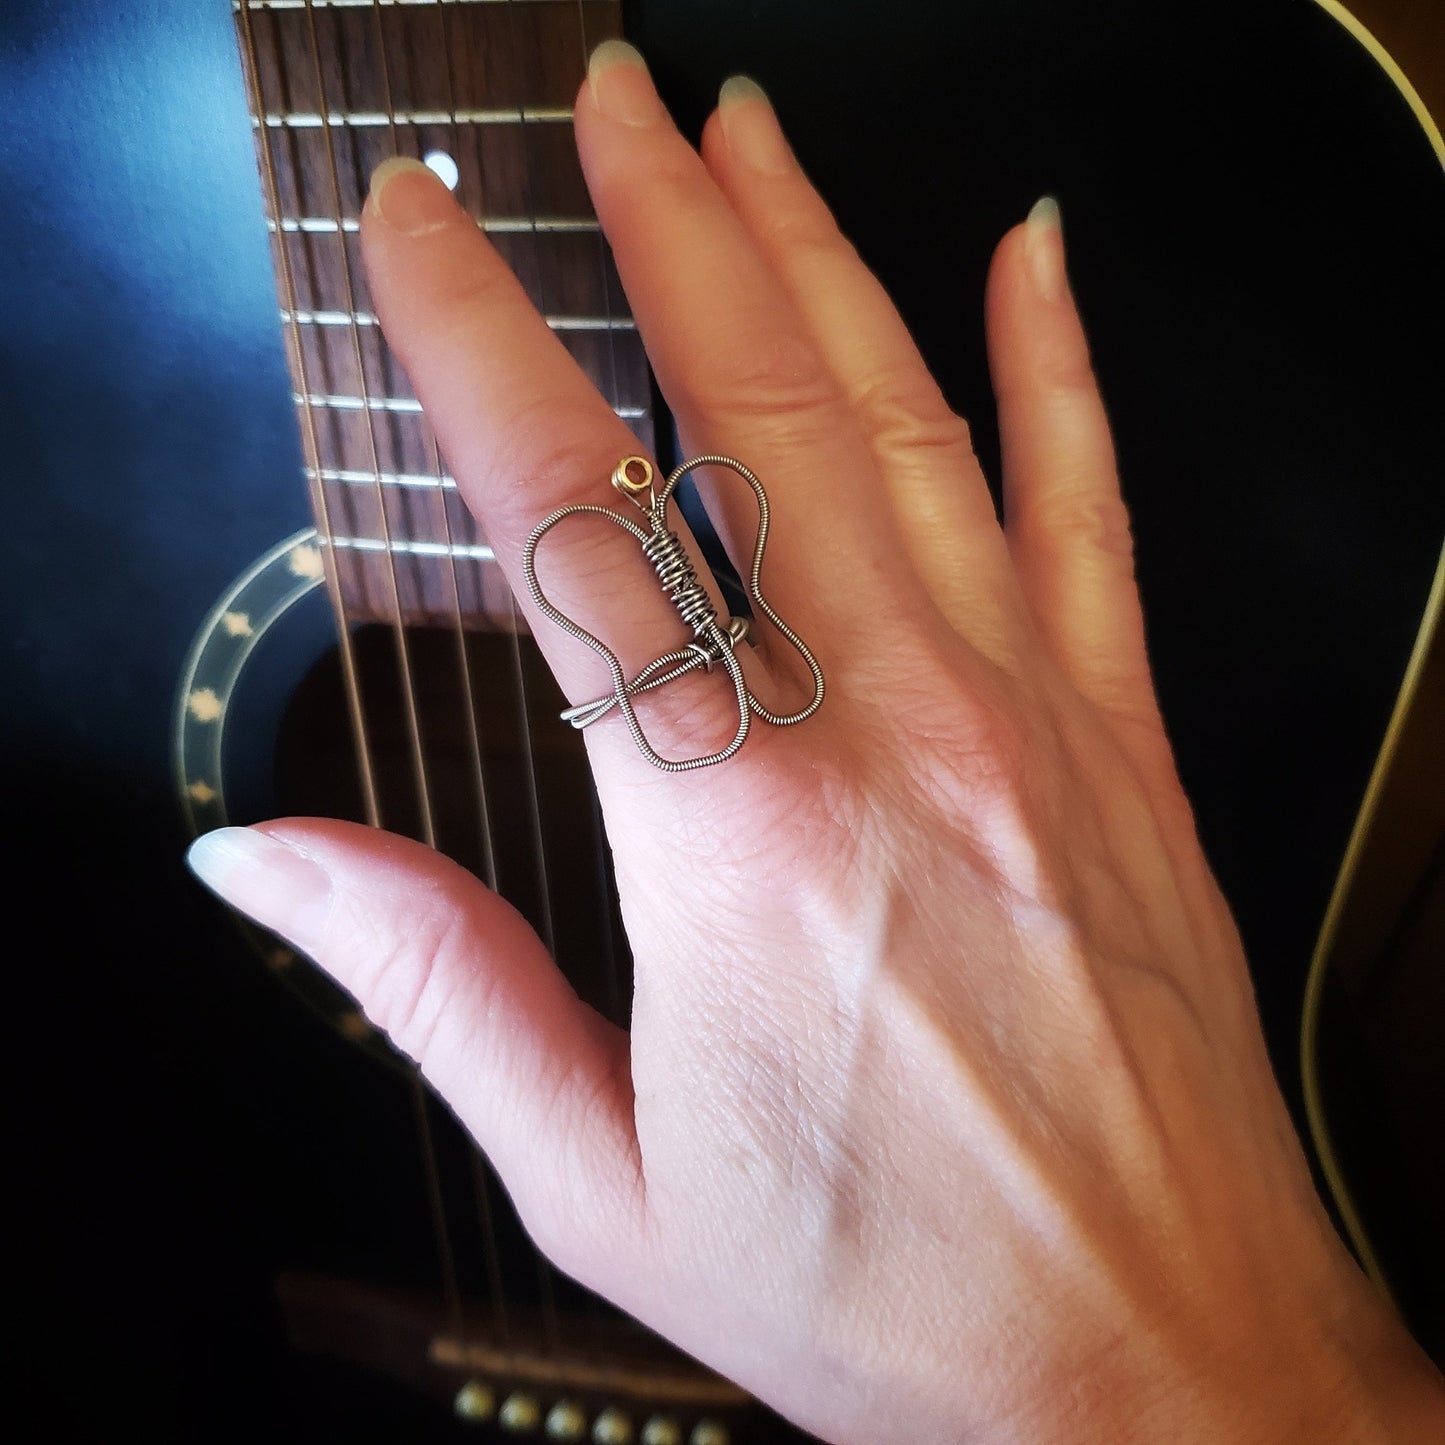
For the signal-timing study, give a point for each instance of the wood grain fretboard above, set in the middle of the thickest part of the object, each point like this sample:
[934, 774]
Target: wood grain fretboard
[337, 86]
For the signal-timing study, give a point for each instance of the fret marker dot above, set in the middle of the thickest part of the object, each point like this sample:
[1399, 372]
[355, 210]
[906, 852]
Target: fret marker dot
[444, 166]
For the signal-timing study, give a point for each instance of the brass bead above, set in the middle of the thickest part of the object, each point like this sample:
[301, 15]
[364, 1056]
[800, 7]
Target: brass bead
[520, 1413]
[475, 1401]
[709, 1432]
[612, 1427]
[662, 1430]
[632, 486]
[567, 1420]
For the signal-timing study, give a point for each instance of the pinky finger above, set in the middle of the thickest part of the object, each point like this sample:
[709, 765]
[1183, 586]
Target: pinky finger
[1066, 523]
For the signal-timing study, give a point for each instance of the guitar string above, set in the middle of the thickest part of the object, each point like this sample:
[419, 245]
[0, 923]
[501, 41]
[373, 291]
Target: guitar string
[599, 835]
[293, 308]
[524, 717]
[392, 588]
[421, 1097]
[481, 1183]
[603, 930]
[331, 569]
[350, 668]
[603, 278]
[489, 862]
[544, 1271]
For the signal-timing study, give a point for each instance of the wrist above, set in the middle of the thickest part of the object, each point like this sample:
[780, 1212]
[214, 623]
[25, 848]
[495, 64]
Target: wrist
[1347, 1373]
[1386, 1388]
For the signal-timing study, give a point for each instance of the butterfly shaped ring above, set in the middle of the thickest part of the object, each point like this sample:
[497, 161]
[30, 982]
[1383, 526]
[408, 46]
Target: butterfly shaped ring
[714, 642]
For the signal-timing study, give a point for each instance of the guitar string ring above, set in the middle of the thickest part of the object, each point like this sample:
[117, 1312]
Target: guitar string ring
[712, 644]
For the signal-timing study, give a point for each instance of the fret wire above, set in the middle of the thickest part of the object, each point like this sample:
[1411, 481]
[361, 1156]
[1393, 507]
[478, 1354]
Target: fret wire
[345, 476]
[349, 671]
[369, 318]
[406, 405]
[375, 119]
[505, 225]
[367, 4]
[473, 551]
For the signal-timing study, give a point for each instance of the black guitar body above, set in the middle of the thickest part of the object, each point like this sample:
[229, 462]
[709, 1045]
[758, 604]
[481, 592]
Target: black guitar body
[1255, 219]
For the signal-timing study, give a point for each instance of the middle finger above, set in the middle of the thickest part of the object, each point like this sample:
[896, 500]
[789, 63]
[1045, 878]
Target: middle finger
[737, 362]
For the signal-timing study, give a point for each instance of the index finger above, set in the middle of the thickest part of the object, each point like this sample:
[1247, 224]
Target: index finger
[523, 428]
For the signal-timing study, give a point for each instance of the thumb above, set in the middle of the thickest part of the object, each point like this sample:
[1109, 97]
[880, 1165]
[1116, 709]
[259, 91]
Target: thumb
[460, 983]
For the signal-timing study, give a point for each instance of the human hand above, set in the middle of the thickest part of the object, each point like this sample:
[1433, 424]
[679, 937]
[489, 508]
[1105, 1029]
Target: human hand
[944, 1112]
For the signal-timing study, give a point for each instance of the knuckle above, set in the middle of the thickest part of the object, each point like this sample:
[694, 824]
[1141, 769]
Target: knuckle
[409, 979]
[462, 301]
[807, 235]
[904, 411]
[990, 755]
[1067, 368]
[771, 374]
[551, 451]
[661, 177]
[977, 759]
[1055, 367]
[1086, 521]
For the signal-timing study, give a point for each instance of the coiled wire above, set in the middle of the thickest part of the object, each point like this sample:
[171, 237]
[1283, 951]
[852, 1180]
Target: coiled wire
[675, 572]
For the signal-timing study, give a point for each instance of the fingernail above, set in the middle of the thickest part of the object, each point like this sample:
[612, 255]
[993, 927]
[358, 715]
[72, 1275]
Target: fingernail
[410, 197]
[267, 880]
[750, 126]
[1044, 249]
[622, 89]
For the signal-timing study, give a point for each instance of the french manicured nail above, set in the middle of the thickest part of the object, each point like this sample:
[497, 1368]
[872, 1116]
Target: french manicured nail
[622, 89]
[410, 197]
[266, 880]
[750, 126]
[1044, 249]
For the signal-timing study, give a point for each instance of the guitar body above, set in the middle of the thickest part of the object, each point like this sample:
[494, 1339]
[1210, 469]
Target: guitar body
[1255, 218]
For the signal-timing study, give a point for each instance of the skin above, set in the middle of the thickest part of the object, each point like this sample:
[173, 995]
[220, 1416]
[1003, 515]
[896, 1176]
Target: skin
[944, 1113]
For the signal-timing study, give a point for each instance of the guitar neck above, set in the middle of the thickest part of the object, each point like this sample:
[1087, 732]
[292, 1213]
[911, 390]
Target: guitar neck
[481, 90]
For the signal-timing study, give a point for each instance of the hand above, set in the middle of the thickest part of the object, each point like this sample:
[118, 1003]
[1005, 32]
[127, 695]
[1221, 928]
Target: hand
[944, 1113]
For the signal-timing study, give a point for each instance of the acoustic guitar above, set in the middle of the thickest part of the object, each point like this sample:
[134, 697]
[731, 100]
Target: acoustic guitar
[248, 1220]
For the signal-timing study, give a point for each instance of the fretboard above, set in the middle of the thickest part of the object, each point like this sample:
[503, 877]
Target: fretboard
[481, 87]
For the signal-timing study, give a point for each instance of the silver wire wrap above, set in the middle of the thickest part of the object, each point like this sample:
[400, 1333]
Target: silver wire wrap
[712, 643]
[669, 559]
